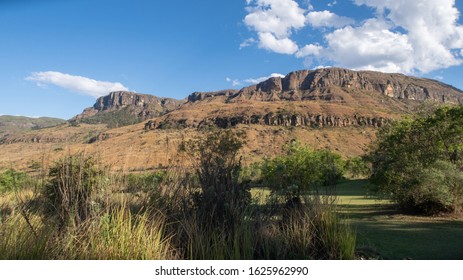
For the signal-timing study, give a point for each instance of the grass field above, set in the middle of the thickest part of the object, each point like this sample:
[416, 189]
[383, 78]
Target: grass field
[385, 233]
[393, 235]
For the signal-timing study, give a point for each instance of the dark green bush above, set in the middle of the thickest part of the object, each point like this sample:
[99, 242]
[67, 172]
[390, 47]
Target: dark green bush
[217, 168]
[412, 158]
[301, 170]
[357, 167]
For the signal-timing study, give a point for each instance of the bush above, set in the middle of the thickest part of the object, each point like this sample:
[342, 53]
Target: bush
[357, 167]
[12, 180]
[440, 189]
[301, 170]
[69, 192]
[144, 182]
[412, 158]
[217, 168]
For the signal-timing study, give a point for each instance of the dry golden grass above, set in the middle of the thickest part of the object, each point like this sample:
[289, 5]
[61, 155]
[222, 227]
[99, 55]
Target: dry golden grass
[132, 148]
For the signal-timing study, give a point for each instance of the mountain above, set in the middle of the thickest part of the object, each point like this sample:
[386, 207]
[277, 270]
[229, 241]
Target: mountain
[331, 108]
[13, 124]
[332, 97]
[125, 108]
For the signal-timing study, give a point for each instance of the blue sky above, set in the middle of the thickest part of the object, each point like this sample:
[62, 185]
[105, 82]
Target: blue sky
[58, 56]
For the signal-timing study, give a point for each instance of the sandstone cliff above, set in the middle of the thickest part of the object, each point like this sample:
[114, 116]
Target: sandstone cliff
[127, 108]
[335, 84]
[330, 97]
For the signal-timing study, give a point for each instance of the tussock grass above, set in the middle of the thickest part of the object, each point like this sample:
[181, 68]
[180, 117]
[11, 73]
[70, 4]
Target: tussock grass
[120, 235]
[25, 238]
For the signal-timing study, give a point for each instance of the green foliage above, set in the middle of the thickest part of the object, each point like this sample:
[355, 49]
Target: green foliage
[301, 170]
[12, 180]
[217, 167]
[405, 150]
[440, 188]
[144, 182]
[69, 192]
[357, 167]
[114, 119]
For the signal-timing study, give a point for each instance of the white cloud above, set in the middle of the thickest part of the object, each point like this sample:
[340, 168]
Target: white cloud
[248, 42]
[405, 36]
[310, 49]
[278, 17]
[79, 84]
[261, 79]
[371, 46]
[274, 21]
[236, 82]
[327, 19]
[284, 46]
[332, 4]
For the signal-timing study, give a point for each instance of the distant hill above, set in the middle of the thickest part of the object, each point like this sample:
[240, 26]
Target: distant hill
[13, 124]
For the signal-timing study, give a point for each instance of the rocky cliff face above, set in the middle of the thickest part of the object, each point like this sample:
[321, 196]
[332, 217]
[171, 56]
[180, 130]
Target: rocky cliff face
[336, 84]
[330, 97]
[139, 106]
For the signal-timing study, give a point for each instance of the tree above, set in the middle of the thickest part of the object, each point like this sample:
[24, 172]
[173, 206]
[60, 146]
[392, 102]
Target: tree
[301, 170]
[407, 149]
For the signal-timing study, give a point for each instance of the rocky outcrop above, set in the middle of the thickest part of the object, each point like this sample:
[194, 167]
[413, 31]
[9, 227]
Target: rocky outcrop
[143, 106]
[198, 96]
[275, 119]
[331, 83]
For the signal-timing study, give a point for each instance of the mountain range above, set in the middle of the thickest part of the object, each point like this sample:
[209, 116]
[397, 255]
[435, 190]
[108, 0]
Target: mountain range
[332, 108]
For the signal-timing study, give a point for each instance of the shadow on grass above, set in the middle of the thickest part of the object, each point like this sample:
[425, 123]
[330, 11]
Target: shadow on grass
[394, 235]
[408, 239]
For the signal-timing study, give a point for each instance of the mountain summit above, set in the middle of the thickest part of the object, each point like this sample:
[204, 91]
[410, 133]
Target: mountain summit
[331, 97]
[124, 108]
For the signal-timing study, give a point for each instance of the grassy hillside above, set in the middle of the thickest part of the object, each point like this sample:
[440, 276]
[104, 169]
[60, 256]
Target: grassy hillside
[12, 124]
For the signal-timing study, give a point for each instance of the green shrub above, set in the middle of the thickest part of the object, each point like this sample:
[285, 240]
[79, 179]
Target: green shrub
[144, 182]
[69, 192]
[301, 170]
[12, 180]
[440, 189]
[357, 167]
[408, 161]
[217, 168]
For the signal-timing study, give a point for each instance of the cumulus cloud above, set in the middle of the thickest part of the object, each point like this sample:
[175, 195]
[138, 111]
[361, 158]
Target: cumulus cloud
[371, 46]
[79, 84]
[274, 21]
[327, 19]
[284, 46]
[401, 36]
[309, 50]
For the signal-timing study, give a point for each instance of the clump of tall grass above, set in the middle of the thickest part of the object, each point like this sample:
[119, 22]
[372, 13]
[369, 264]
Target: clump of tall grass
[120, 235]
[25, 238]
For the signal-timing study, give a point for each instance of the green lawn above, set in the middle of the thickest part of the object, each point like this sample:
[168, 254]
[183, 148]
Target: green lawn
[395, 235]
[384, 232]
